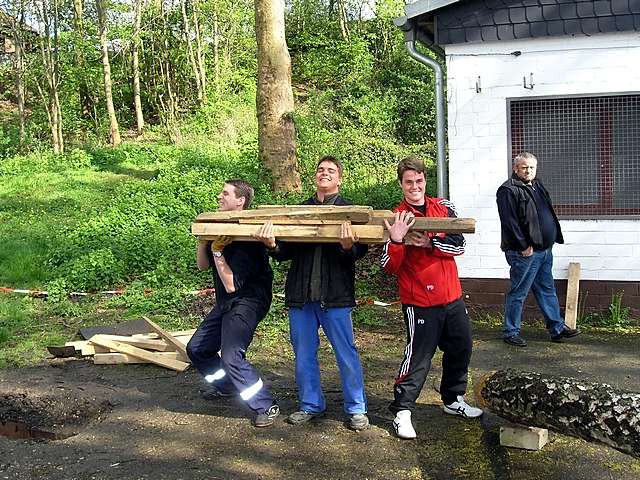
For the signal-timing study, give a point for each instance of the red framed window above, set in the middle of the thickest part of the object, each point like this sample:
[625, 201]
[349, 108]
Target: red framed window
[588, 151]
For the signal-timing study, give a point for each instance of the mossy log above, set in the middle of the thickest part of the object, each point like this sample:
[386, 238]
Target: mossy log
[587, 410]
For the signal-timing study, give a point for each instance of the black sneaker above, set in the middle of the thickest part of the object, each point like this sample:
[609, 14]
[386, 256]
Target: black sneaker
[267, 418]
[211, 392]
[516, 341]
[564, 334]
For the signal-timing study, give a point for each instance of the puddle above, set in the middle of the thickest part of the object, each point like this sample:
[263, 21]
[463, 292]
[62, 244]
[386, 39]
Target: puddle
[22, 431]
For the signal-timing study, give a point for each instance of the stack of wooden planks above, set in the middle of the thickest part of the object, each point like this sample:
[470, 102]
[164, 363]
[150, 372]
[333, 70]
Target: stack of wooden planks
[159, 347]
[315, 223]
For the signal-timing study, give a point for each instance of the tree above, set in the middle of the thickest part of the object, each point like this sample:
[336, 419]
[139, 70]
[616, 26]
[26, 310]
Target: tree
[274, 99]
[186, 33]
[136, 66]
[86, 101]
[49, 48]
[114, 129]
[17, 26]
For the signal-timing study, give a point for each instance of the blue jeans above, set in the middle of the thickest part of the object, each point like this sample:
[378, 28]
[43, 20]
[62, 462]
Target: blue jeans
[336, 323]
[531, 273]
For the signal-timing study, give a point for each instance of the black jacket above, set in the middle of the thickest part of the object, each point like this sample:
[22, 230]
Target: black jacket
[519, 217]
[338, 269]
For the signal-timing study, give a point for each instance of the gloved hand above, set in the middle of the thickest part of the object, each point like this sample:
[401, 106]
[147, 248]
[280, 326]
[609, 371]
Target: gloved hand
[218, 243]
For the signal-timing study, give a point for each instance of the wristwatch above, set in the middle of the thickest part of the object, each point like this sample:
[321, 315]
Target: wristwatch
[216, 254]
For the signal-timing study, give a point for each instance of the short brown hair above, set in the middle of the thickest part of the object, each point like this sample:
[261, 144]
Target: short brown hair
[243, 189]
[412, 162]
[332, 159]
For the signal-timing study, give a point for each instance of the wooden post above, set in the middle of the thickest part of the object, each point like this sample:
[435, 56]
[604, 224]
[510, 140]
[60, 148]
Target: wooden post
[573, 288]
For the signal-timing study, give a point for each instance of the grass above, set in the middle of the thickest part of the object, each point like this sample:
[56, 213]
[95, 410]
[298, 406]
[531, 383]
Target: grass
[81, 219]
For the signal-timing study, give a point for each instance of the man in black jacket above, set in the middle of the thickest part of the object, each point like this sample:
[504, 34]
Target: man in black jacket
[243, 279]
[529, 227]
[320, 292]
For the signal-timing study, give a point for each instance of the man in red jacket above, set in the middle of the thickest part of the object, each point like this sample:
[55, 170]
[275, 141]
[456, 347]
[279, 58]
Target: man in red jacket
[434, 312]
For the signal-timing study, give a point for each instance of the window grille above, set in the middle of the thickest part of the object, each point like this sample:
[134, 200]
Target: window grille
[588, 151]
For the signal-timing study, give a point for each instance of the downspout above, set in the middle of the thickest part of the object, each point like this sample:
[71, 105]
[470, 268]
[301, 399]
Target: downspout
[441, 162]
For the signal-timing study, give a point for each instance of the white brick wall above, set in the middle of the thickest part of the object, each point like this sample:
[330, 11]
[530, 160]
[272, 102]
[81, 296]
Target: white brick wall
[479, 160]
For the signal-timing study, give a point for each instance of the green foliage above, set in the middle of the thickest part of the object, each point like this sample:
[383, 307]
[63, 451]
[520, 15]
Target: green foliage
[370, 316]
[618, 314]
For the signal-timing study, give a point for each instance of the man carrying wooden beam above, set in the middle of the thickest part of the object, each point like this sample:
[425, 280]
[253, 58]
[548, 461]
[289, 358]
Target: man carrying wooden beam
[320, 292]
[434, 312]
[243, 280]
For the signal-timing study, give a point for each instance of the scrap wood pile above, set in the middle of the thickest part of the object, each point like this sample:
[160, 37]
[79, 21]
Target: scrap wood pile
[159, 347]
[315, 223]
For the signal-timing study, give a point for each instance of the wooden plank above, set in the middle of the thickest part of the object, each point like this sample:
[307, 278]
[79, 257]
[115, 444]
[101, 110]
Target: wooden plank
[290, 221]
[146, 343]
[434, 224]
[123, 358]
[91, 349]
[167, 336]
[174, 333]
[573, 291]
[299, 206]
[143, 354]
[291, 233]
[355, 214]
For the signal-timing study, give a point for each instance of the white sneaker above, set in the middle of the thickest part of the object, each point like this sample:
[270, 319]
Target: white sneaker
[462, 409]
[402, 425]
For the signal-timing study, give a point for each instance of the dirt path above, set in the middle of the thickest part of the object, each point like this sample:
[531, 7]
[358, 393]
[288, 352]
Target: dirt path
[141, 422]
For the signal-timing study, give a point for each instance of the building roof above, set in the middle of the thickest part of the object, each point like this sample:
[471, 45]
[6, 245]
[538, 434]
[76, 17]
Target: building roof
[464, 21]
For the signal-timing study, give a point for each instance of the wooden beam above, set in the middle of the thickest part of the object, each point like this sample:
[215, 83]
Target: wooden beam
[91, 349]
[355, 214]
[168, 337]
[174, 333]
[291, 221]
[123, 358]
[573, 293]
[291, 233]
[143, 354]
[434, 224]
[147, 344]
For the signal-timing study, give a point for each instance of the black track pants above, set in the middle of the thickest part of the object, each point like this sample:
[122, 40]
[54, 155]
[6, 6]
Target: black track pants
[445, 327]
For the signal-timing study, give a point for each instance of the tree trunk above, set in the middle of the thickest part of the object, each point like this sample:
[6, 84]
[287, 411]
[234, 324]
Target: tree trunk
[186, 33]
[114, 129]
[136, 68]
[274, 99]
[342, 20]
[200, 49]
[586, 410]
[86, 102]
[216, 49]
[18, 69]
[49, 53]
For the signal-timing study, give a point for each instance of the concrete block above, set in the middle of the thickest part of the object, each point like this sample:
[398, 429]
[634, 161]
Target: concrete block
[520, 436]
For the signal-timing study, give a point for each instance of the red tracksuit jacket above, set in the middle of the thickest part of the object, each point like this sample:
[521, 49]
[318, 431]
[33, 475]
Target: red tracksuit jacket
[427, 277]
